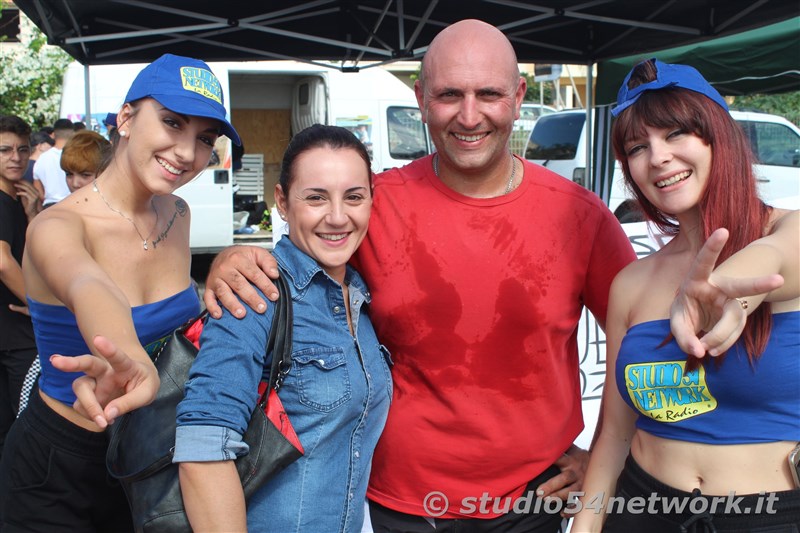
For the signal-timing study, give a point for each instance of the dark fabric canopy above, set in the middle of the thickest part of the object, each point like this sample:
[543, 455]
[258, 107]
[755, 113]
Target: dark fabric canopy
[544, 31]
[346, 32]
[765, 60]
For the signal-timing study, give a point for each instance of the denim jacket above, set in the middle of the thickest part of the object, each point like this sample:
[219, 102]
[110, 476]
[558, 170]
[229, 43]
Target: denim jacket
[337, 396]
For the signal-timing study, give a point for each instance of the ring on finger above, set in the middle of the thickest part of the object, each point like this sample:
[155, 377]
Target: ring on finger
[742, 302]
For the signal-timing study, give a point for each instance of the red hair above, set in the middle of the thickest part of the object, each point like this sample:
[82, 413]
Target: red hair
[86, 151]
[731, 198]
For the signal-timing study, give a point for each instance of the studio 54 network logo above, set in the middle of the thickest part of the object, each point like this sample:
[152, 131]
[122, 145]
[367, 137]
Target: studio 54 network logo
[436, 504]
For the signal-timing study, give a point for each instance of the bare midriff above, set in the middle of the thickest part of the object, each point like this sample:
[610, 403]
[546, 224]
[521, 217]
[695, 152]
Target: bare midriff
[716, 470]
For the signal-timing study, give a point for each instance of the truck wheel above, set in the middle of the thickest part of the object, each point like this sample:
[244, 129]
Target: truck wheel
[629, 211]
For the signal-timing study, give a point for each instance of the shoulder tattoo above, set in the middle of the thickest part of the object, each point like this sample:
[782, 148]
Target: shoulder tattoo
[181, 208]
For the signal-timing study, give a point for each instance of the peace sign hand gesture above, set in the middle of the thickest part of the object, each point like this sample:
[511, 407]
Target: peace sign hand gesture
[114, 384]
[714, 304]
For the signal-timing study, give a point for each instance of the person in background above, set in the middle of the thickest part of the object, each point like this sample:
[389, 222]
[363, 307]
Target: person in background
[362, 133]
[111, 126]
[83, 157]
[237, 152]
[49, 131]
[40, 143]
[107, 279]
[48, 177]
[17, 344]
[723, 419]
[338, 390]
[480, 265]
[78, 125]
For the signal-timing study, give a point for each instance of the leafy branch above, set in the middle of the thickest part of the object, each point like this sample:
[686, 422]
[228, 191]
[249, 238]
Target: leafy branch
[32, 78]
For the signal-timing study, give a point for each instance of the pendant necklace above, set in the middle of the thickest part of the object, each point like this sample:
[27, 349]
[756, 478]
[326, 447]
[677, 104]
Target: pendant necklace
[510, 178]
[126, 217]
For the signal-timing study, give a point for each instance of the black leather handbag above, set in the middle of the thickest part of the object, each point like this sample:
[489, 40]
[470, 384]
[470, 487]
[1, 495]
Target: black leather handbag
[142, 442]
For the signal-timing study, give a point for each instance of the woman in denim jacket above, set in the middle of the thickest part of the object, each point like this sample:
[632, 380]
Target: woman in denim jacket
[338, 391]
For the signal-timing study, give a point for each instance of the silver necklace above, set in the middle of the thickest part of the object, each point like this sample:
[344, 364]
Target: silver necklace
[510, 178]
[126, 217]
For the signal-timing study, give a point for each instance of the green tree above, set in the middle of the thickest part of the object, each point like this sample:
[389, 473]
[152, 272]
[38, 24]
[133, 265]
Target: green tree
[532, 94]
[32, 78]
[786, 105]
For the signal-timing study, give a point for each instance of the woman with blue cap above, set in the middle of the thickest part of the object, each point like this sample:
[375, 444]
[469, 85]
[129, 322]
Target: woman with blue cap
[701, 405]
[107, 273]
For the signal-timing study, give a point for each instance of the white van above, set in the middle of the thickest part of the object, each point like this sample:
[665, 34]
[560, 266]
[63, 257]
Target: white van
[529, 113]
[268, 101]
[558, 142]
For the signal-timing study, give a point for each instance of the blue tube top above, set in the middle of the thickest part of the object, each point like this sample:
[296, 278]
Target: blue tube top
[56, 331]
[731, 403]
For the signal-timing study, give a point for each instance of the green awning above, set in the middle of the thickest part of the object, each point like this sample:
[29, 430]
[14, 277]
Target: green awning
[764, 60]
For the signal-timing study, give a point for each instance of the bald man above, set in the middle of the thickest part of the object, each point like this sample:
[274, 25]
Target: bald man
[479, 264]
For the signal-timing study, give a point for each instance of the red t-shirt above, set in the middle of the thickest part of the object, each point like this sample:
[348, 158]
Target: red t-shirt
[478, 301]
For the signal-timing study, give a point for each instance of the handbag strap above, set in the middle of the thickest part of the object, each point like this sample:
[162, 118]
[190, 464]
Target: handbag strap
[280, 339]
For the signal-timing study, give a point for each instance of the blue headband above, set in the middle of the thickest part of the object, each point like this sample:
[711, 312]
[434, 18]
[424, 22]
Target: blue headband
[681, 76]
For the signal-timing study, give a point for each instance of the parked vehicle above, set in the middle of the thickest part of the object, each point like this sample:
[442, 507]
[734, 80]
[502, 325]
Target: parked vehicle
[529, 113]
[268, 101]
[776, 145]
[558, 142]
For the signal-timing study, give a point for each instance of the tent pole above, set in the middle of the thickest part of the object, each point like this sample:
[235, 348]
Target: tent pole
[590, 174]
[541, 95]
[87, 92]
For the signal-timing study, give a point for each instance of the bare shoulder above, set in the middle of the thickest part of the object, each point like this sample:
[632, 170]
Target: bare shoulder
[174, 202]
[174, 221]
[637, 272]
[174, 211]
[627, 285]
[785, 221]
[55, 249]
[178, 210]
[54, 225]
[783, 233]
[784, 238]
[644, 289]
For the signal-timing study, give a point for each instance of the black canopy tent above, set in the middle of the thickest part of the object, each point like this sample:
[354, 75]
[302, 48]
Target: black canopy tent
[545, 31]
[344, 33]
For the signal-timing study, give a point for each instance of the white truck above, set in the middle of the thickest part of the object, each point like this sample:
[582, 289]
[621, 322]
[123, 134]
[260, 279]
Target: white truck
[268, 101]
[558, 142]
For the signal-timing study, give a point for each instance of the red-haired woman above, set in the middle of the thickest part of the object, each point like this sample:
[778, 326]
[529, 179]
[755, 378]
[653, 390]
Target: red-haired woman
[697, 442]
[83, 157]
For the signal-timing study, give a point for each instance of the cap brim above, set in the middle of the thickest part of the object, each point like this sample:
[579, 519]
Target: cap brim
[196, 108]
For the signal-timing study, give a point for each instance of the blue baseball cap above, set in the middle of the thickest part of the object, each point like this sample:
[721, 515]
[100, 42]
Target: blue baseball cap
[110, 120]
[682, 76]
[186, 86]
